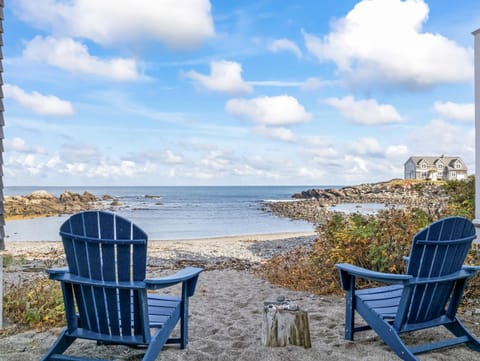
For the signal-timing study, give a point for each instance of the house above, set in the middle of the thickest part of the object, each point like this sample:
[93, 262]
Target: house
[435, 168]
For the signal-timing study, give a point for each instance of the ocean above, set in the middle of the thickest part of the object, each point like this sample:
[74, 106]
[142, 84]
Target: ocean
[169, 213]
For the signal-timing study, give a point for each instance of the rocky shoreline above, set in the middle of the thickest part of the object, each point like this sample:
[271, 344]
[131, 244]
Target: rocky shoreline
[43, 204]
[314, 205]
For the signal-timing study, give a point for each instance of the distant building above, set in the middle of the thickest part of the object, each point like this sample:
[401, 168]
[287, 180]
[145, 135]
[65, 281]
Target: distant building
[435, 168]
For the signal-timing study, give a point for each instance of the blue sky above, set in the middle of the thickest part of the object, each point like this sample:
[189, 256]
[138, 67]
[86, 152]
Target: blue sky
[264, 92]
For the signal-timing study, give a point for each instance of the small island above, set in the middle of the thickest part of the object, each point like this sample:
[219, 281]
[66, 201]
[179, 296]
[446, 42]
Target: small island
[44, 204]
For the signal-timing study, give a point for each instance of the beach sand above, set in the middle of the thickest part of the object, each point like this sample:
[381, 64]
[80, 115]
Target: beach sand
[226, 311]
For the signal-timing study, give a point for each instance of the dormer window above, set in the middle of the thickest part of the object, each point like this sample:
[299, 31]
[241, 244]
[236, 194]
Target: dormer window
[424, 165]
[440, 166]
[458, 165]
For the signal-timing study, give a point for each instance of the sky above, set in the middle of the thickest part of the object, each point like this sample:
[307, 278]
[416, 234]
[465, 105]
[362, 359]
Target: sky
[253, 92]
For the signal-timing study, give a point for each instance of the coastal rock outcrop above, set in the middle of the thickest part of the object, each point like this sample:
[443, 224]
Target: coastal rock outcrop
[313, 204]
[42, 203]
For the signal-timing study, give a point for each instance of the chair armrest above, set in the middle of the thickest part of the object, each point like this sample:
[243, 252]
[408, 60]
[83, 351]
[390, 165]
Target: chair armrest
[472, 269]
[348, 270]
[56, 271]
[188, 275]
[67, 277]
[462, 274]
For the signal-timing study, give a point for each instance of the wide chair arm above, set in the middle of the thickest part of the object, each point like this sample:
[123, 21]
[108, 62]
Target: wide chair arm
[347, 271]
[52, 272]
[456, 276]
[188, 275]
[471, 269]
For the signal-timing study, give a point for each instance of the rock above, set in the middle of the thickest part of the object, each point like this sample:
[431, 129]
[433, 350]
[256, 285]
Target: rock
[88, 197]
[312, 204]
[42, 203]
[41, 195]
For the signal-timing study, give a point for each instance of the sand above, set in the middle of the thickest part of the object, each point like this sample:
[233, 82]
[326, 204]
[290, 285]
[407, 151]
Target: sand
[226, 311]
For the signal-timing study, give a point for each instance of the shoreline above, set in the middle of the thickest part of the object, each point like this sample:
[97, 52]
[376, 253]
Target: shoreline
[181, 250]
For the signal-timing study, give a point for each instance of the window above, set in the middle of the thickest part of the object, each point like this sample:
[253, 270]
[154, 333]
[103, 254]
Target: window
[458, 165]
[424, 165]
[440, 166]
[453, 174]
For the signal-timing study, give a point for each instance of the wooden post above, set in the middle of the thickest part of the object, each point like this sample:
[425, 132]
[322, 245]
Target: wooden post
[285, 324]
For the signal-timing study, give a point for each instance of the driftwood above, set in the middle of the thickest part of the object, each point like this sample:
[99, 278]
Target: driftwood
[285, 324]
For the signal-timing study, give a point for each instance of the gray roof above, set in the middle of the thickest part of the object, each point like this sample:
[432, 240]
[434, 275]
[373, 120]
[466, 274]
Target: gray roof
[448, 161]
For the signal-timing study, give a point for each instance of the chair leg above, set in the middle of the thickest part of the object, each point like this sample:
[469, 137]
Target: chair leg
[155, 346]
[61, 344]
[388, 334]
[184, 318]
[458, 329]
[349, 316]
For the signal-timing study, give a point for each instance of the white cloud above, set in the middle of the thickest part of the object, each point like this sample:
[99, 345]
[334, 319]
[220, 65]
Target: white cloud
[172, 158]
[26, 163]
[18, 144]
[177, 23]
[397, 151]
[279, 45]
[456, 111]
[439, 137]
[124, 168]
[215, 160]
[311, 83]
[71, 55]
[367, 112]
[322, 153]
[39, 103]
[366, 146]
[275, 110]
[79, 153]
[279, 133]
[225, 76]
[383, 41]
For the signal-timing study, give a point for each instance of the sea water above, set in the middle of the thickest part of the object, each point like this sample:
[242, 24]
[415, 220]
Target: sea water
[176, 212]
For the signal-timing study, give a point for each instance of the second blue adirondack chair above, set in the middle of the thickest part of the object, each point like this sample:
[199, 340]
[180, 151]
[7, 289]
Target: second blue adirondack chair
[427, 296]
[105, 289]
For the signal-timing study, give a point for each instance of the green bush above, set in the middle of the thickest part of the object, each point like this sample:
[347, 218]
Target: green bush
[462, 197]
[375, 242]
[34, 304]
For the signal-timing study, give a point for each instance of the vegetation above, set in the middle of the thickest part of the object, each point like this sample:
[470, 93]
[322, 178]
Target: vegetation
[35, 304]
[462, 197]
[375, 242]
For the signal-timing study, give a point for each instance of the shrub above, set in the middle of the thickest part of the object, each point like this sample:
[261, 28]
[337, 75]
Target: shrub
[375, 242]
[34, 304]
[462, 197]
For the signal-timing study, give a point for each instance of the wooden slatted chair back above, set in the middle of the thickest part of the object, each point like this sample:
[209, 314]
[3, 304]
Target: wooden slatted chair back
[106, 249]
[438, 250]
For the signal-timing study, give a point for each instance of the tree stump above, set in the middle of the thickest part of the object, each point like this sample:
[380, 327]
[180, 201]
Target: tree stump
[285, 324]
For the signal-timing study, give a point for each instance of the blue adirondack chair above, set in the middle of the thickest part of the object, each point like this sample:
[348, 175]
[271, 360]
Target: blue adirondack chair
[105, 289]
[428, 295]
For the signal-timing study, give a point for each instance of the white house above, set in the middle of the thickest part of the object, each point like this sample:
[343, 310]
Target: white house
[435, 168]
